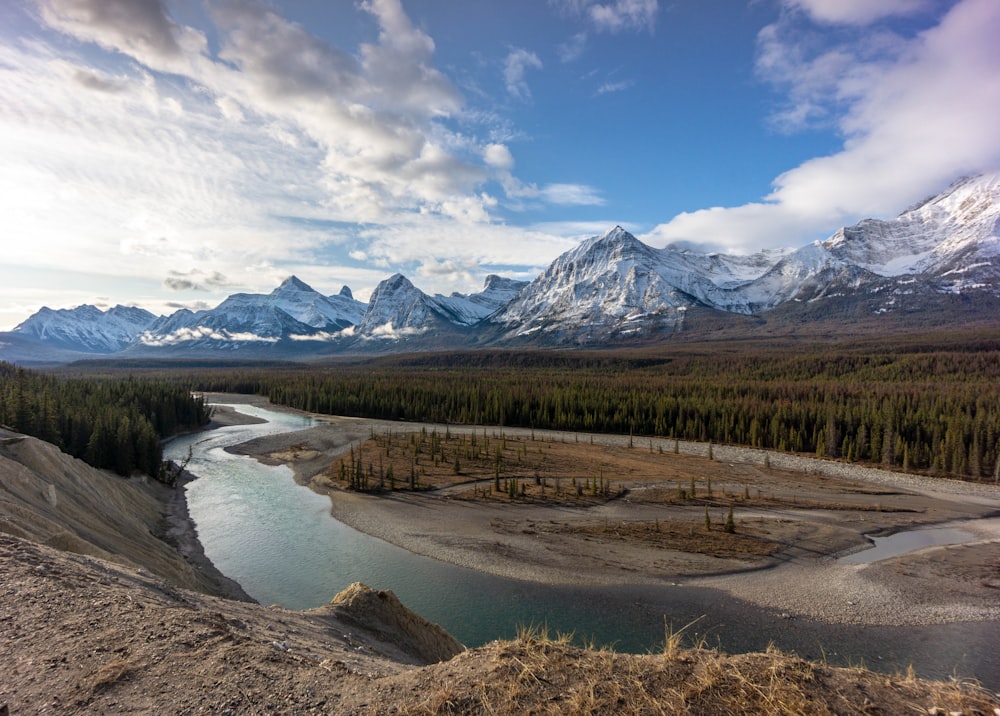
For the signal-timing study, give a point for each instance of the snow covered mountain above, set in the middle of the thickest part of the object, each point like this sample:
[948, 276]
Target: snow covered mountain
[293, 310]
[398, 309]
[609, 284]
[947, 244]
[468, 310]
[614, 285]
[936, 263]
[86, 328]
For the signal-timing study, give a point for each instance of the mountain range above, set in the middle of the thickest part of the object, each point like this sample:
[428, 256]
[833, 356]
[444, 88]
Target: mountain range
[938, 263]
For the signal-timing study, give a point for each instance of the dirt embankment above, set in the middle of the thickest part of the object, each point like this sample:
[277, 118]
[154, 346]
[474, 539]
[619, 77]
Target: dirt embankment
[82, 635]
[52, 498]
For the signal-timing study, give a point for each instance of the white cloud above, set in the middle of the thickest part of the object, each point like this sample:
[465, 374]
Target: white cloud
[573, 48]
[472, 250]
[625, 15]
[572, 195]
[611, 87]
[387, 332]
[139, 27]
[200, 333]
[915, 115]
[161, 159]
[517, 63]
[615, 16]
[498, 156]
[857, 12]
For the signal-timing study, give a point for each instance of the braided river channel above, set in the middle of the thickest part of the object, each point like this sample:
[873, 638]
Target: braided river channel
[278, 540]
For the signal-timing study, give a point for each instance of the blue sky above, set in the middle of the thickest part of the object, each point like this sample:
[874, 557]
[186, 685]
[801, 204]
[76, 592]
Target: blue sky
[167, 153]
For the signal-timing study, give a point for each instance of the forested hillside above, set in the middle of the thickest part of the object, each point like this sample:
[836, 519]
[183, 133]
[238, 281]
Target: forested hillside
[113, 423]
[932, 408]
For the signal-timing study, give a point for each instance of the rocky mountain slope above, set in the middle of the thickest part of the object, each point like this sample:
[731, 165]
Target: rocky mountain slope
[86, 328]
[937, 262]
[293, 310]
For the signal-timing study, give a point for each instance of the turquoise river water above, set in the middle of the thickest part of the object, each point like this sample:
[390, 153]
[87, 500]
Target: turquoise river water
[278, 540]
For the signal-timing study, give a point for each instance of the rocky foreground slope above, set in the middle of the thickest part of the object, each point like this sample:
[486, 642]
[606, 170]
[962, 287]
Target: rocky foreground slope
[103, 634]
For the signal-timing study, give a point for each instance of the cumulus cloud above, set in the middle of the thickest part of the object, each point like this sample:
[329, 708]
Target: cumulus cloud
[99, 82]
[625, 15]
[515, 66]
[915, 114]
[136, 26]
[375, 113]
[498, 156]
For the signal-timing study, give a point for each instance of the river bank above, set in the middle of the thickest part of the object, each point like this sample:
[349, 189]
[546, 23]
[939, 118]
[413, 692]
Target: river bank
[930, 586]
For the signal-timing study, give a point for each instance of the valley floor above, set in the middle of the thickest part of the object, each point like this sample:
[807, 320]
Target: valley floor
[806, 512]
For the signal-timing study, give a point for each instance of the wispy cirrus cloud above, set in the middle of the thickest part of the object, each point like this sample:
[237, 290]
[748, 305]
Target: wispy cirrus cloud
[610, 87]
[615, 16]
[515, 67]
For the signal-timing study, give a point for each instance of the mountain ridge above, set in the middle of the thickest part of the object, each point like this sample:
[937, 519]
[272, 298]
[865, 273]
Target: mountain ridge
[611, 289]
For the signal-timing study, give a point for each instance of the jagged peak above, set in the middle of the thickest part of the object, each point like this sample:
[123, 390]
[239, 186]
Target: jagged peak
[346, 292]
[494, 281]
[396, 282]
[988, 182]
[294, 283]
[616, 242]
[615, 235]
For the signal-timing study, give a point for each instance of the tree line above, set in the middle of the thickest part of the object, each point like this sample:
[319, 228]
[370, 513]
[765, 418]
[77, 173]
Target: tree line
[934, 410]
[111, 423]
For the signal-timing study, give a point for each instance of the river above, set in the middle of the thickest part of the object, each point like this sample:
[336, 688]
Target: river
[278, 540]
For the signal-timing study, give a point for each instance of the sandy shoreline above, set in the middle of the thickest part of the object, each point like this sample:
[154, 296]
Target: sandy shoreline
[936, 585]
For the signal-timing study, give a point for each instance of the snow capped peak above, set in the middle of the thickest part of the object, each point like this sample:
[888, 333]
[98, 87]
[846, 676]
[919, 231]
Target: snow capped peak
[396, 305]
[608, 287]
[468, 310]
[500, 283]
[929, 237]
[293, 283]
[609, 284]
[396, 282]
[292, 310]
[614, 239]
[87, 328]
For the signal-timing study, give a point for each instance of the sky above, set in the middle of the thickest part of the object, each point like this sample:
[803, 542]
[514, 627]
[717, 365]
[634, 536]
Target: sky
[168, 153]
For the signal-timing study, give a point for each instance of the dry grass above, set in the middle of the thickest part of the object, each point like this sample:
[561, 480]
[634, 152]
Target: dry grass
[681, 535]
[535, 674]
[110, 674]
[574, 472]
